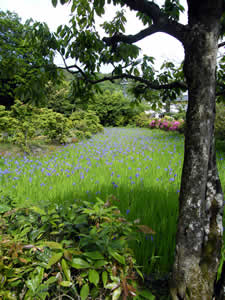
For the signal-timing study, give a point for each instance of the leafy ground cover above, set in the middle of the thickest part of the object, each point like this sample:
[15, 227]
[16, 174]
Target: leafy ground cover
[141, 168]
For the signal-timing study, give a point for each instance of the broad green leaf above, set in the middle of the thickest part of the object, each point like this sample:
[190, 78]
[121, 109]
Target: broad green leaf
[79, 263]
[93, 277]
[66, 269]
[54, 259]
[146, 294]
[94, 255]
[51, 280]
[100, 263]
[104, 278]
[65, 283]
[117, 256]
[52, 245]
[84, 292]
[116, 294]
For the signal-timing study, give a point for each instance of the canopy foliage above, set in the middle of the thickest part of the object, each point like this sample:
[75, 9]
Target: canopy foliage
[26, 59]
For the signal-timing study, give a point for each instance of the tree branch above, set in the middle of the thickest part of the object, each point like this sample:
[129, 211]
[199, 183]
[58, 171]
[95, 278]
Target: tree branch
[159, 18]
[221, 44]
[148, 84]
[130, 39]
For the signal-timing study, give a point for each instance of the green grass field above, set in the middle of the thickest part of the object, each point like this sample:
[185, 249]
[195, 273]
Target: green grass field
[140, 167]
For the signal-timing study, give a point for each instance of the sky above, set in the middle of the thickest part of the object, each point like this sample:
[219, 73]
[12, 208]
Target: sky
[161, 46]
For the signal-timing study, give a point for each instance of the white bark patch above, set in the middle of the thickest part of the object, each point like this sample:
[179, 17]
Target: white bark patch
[219, 217]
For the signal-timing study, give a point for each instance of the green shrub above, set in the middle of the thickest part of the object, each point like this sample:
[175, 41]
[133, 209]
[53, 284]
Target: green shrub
[19, 123]
[54, 125]
[112, 108]
[140, 120]
[220, 121]
[79, 250]
[24, 122]
[85, 123]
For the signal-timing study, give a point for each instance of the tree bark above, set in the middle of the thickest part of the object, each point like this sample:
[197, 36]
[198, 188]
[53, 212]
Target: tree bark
[200, 228]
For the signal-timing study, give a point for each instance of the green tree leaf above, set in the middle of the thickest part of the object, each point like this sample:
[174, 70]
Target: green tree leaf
[104, 278]
[100, 263]
[147, 295]
[117, 256]
[94, 255]
[84, 292]
[66, 269]
[93, 277]
[79, 263]
[65, 283]
[54, 259]
[52, 245]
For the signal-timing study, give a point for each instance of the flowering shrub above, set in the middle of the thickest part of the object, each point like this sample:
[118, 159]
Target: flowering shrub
[165, 124]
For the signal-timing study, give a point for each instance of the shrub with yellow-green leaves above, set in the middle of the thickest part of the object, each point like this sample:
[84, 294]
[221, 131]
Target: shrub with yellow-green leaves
[85, 123]
[24, 122]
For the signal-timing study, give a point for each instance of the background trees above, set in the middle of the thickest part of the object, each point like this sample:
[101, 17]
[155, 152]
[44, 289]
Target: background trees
[26, 59]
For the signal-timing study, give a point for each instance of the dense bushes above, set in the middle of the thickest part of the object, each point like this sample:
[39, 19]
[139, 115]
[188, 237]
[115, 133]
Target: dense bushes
[24, 122]
[80, 251]
[85, 123]
[140, 120]
[113, 109]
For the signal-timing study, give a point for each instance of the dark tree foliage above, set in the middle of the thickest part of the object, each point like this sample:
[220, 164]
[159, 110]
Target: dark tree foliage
[26, 59]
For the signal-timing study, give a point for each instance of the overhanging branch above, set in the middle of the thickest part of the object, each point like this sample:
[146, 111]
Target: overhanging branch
[130, 39]
[161, 22]
[221, 44]
[147, 83]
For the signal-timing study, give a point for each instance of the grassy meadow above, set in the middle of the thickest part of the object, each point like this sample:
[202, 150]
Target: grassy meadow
[140, 167]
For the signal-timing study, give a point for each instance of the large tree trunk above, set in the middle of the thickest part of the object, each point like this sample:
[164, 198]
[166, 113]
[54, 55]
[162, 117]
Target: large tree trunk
[200, 229]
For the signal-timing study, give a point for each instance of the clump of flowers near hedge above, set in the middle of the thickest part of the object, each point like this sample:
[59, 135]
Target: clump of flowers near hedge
[167, 123]
[78, 251]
